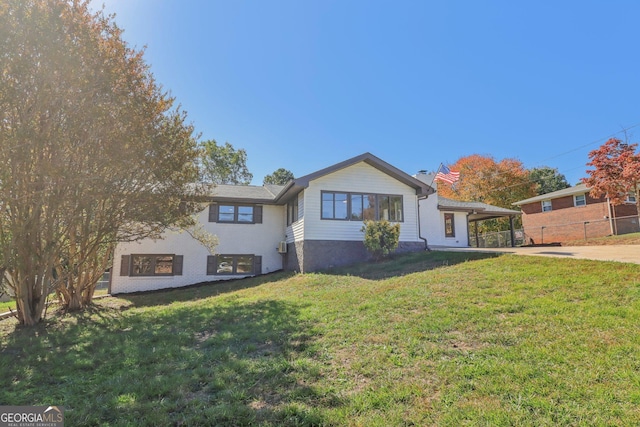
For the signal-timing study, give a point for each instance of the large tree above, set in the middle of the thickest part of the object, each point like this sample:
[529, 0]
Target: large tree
[91, 151]
[548, 180]
[616, 171]
[223, 164]
[483, 179]
[279, 177]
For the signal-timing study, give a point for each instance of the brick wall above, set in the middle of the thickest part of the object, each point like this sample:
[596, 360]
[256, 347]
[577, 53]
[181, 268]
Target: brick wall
[566, 222]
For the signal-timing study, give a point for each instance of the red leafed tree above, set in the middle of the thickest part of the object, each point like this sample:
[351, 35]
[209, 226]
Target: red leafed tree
[616, 171]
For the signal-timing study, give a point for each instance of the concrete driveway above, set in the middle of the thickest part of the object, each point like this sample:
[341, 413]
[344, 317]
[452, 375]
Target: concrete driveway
[620, 253]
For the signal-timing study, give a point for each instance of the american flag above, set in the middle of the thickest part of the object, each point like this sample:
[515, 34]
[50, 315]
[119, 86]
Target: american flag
[447, 175]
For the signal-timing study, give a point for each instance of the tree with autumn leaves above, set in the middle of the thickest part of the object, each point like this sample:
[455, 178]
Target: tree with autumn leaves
[616, 171]
[483, 179]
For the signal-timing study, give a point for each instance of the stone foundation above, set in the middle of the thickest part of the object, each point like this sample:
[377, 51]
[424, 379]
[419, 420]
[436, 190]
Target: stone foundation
[315, 255]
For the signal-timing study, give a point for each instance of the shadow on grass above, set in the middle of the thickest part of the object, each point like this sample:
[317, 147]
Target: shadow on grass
[395, 266]
[232, 363]
[200, 290]
[399, 265]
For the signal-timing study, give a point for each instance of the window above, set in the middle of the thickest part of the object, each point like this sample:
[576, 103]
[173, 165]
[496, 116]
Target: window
[580, 200]
[363, 207]
[234, 265]
[226, 213]
[546, 205]
[334, 205]
[151, 265]
[360, 207]
[245, 213]
[390, 208]
[235, 214]
[292, 210]
[449, 225]
[631, 198]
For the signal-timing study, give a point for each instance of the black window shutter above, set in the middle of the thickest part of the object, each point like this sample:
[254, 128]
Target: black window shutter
[211, 264]
[177, 265]
[257, 214]
[257, 264]
[124, 265]
[213, 212]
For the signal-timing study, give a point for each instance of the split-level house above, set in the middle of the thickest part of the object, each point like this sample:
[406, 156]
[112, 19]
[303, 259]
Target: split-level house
[312, 223]
[573, 214]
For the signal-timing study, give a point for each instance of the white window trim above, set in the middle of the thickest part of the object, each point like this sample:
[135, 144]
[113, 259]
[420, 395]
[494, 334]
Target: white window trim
[575, 200]
[543, 205]
[629, 196]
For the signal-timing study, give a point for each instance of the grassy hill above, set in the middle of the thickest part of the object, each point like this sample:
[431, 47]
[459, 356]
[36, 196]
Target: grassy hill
[622, 239]
[424, 339]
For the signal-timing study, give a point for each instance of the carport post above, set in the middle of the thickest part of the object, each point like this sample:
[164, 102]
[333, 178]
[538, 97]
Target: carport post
[513, 236]
[477, 237]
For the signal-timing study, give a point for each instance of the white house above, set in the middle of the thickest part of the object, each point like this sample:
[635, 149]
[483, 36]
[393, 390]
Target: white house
[445, 222]
[309, 224]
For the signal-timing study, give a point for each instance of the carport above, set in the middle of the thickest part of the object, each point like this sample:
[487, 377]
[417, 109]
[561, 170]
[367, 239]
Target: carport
[478, 211]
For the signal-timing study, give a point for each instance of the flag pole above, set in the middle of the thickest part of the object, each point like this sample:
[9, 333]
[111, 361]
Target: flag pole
[434, 176]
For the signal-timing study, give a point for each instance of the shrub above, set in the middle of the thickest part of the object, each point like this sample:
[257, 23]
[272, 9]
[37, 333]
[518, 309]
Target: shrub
[381, 237]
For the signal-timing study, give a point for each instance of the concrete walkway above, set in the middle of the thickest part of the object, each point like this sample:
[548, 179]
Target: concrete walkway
[620, 253]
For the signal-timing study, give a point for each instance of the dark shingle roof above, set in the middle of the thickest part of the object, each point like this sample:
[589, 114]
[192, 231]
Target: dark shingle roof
[477, 210]
[277, 194]
[245, 193]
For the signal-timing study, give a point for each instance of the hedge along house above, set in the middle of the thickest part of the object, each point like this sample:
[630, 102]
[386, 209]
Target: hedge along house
[572, 214]
[311, 223]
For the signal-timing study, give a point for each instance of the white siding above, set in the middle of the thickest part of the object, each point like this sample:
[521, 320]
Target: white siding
[295, 232]
[358, 178]
[432, 225]
[256, 239]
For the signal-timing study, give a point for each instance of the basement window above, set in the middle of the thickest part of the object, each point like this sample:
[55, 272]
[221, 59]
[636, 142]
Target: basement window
[227, 265]
[151, 265]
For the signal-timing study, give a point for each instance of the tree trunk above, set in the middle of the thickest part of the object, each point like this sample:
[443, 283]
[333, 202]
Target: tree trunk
[74, 302]
[30, 310]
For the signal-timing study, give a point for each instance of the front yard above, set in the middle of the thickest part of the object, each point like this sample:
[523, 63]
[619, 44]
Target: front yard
[425, 339]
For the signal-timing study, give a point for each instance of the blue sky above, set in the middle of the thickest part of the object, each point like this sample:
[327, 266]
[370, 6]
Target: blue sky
[304, 84]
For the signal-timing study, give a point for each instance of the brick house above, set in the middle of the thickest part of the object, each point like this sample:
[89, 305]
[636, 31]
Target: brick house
[572, 214]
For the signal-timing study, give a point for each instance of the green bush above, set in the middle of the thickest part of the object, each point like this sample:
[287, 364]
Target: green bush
[381, 237]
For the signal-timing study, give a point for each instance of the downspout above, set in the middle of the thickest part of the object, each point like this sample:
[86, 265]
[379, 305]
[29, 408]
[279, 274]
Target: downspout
[426, 245]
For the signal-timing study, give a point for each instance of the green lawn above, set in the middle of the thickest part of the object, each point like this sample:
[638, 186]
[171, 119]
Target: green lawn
[622, 239]
[426, 339]
[7, 305]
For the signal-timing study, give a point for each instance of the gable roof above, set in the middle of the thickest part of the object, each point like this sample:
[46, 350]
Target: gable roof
[571, 191]
[298, 184]
[477, 210]
[278, 194]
